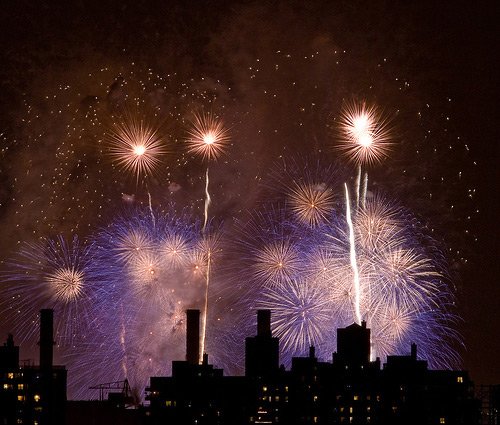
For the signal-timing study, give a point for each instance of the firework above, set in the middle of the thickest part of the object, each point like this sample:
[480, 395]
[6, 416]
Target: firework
[312, 203]
[208, 138]
[371, 264]
[153, 265]
[52, 273]
[152, 269]
[136, 146]
[301, 315]
[364, 134]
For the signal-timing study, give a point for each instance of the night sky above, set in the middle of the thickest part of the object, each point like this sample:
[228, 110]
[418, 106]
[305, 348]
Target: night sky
[278, 75]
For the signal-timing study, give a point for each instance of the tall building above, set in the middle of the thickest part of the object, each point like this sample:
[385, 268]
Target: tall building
[196, 393]
[34, 395]
[262, 350]
[351, 389]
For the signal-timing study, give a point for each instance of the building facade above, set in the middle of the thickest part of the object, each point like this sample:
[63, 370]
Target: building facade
[350, 389]
[29, 394]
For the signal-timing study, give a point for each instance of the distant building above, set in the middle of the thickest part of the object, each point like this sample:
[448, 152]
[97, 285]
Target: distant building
[34, 395]
[349, 390]
[489, 397]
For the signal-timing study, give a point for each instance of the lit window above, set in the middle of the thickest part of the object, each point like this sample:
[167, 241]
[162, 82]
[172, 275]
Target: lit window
[19, 421]
[277, 398]
[350, 409]
[36, 397]
[286, 389]
[168, 403]
[264, 389]
[315, 419]
[20, 386]
[5, 386]
[20, 398]
[10, 375]
[356, 398]
[460, 379]
[442, 420]
[368, 408]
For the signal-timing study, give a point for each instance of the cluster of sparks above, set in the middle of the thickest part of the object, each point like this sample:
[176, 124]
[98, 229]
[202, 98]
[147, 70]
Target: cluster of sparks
[136, 146]
[317, 263]
[365, 134]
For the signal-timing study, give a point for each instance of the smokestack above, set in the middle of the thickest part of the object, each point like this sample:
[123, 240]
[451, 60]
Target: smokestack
[46, 338]
[264, 323]
[193, 337]
[312, 352]
[414, 351]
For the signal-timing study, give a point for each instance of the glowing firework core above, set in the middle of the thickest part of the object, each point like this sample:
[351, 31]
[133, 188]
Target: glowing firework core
[67, 283]
[209, 139]
[365, 134]
[139, 150]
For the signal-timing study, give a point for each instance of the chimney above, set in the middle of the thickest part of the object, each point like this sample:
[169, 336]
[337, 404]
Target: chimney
[264, 323]
[312, 352]
[46, 338]
[193, 337]
[414, 351]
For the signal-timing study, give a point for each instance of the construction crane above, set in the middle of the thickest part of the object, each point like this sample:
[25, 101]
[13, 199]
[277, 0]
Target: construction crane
[115, 391]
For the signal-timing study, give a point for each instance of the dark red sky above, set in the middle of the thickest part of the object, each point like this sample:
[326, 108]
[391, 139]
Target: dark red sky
[443, 49]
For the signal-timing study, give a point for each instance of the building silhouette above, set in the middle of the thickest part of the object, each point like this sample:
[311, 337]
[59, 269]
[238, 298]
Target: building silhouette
[29, 394]
[351, 389]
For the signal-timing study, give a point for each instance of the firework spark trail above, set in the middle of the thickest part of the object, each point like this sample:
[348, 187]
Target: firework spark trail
[205, 309]
[364, 190]
[358, 185]
[208, 138]
[353, 258]
[123, 344]
[150, 203]
[207, 201]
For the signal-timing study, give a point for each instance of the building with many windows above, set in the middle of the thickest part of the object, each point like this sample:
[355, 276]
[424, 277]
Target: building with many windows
[34, 395]
[350, 389]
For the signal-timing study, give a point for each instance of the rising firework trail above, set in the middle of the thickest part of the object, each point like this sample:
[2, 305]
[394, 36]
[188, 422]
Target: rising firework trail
[352, 255]
[208, 138]
[207, 201]
[205, 308]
